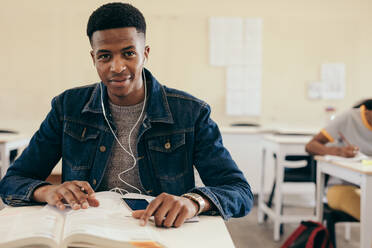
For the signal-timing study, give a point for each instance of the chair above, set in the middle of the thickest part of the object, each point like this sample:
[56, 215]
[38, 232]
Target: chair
[305, 171]
[332, 216]
[13, 153]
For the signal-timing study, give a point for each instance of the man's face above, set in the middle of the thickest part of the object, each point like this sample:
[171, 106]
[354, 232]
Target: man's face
[119, 55]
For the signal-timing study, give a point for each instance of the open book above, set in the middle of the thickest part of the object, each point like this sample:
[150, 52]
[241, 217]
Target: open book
[108, 226]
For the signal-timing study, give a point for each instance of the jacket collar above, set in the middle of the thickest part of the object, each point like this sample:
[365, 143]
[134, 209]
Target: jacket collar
[157, 109]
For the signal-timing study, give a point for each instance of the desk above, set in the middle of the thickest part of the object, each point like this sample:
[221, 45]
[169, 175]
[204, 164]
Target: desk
[210, 231]
[281, 145]
[243, 143]
[10, 142]
[358, 174]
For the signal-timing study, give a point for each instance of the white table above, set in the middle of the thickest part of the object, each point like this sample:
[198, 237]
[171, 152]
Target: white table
[210, 231]
[281, 145]
[10, 142]
[243, 144]
[358, 174]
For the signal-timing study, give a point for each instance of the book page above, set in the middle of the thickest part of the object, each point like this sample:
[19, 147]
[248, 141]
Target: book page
[111, 201]
[30, 228]
[110, 222]
[113, 226]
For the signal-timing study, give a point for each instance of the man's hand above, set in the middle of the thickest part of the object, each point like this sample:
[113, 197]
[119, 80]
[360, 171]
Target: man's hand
[79, 194]
[347, 151]
[168, 210]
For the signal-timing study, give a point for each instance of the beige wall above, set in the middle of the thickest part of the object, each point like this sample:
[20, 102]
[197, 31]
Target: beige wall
[44, 50]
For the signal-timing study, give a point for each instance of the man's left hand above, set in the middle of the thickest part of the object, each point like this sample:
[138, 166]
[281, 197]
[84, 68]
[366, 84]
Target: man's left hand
[168, 210]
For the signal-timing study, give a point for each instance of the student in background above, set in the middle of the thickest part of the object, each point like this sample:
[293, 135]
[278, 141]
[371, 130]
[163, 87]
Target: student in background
[348, 134]
[131, 134]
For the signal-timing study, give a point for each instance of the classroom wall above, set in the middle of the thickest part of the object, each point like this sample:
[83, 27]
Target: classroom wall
[44, 50]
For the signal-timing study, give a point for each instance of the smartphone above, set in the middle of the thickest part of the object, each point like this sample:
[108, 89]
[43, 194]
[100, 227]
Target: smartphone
[136, 204]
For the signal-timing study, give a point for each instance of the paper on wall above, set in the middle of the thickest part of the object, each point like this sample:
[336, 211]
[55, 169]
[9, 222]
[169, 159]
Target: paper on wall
[236, 43]
[333, 78]
[226, 41]
[243, 95]
[314, 90]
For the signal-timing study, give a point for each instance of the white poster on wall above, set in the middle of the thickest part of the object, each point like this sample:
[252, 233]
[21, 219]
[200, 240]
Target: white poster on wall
[333, 79]
[225, 39]
[236, 44]
[243, 84]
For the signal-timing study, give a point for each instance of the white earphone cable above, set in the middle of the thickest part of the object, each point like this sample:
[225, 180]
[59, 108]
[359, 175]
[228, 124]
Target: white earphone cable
[130, 152]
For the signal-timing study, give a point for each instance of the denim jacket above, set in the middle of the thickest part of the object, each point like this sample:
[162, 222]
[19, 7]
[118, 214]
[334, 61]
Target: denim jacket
[176, 135]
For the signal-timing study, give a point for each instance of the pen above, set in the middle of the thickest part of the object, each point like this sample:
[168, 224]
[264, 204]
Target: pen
[344, 139]
[355, 151]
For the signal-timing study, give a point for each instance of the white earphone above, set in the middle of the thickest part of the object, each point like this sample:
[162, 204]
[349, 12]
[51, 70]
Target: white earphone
[130, 152]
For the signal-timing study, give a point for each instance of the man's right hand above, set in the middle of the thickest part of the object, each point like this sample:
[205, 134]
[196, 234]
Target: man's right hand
[347, 151]
[79, 194]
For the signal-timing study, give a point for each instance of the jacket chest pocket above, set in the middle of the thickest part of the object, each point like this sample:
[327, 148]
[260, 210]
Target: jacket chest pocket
[80, 145]
[168, 154]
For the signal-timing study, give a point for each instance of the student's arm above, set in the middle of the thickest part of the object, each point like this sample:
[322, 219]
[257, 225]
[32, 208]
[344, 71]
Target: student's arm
[24, 182]
[225, 185]
[36, 162]
[317, 146]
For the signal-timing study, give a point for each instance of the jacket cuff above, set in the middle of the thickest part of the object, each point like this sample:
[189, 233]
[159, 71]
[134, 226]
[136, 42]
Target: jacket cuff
[25, 199]
[205, 192]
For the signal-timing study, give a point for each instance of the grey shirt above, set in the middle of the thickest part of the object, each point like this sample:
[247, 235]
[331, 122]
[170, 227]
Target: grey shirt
[354, 126]
[124, 118]
[356, 129]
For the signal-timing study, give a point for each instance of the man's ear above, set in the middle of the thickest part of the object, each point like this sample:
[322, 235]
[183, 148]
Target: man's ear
[93, 57]
[146, 52]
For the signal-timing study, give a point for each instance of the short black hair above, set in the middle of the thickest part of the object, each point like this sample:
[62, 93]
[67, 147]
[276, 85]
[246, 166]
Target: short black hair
[116, 15]
[366, 102]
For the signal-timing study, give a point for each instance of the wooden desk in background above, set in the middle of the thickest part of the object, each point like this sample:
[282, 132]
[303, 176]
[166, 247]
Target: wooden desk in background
[210, 231]
[10, 142]
[354, 172]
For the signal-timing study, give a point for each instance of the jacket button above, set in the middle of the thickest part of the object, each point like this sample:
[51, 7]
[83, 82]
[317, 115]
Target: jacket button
[167, 145]
[94, 181]
[102, 148]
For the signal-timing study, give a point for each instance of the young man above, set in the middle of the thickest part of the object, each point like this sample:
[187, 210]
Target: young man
[129, 133]
[349, 133]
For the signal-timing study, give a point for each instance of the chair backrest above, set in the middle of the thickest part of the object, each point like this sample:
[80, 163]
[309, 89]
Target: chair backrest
[306, 173]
